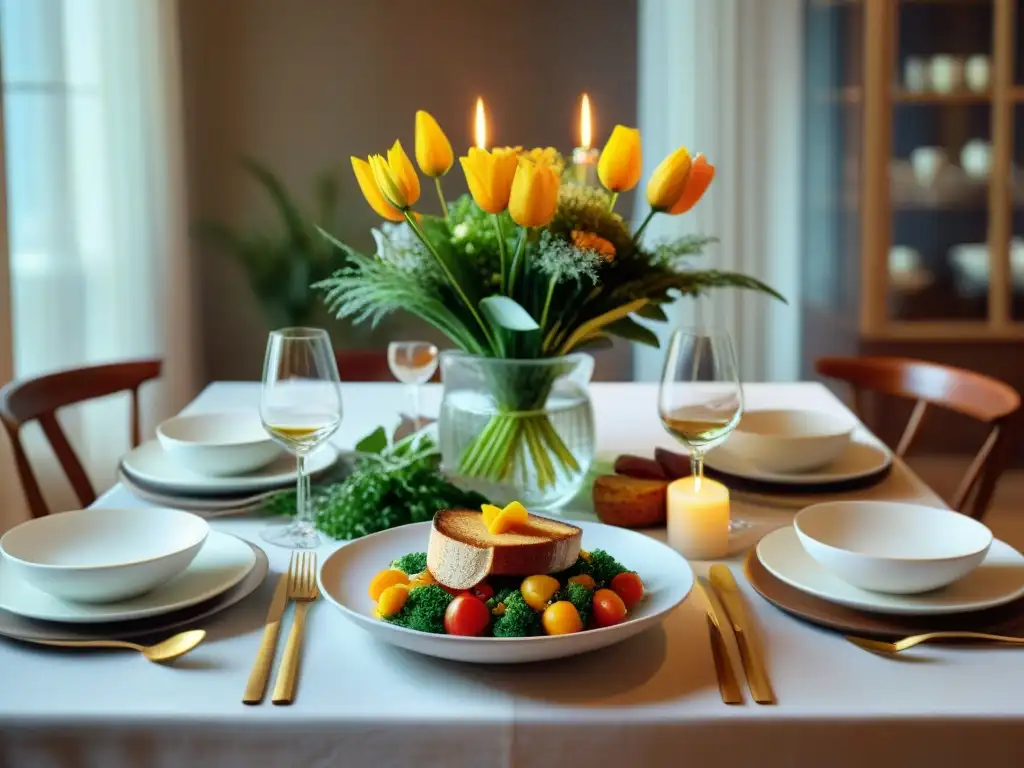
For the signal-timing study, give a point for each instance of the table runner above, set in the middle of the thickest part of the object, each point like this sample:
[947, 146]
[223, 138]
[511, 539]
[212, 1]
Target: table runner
[650, 701]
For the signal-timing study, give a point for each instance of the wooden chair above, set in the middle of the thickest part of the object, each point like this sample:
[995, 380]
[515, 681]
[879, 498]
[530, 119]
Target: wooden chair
[38, 399]
[367, 365]
[971, 394]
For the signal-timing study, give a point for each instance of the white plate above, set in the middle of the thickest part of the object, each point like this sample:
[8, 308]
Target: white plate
[345, 575]
[864, 457]
[223, 561]
[150, 464]
[998, 580]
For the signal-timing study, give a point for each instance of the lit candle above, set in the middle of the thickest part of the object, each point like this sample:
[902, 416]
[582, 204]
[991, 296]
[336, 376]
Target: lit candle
[698, 518]
[480, 125]
[584, 159]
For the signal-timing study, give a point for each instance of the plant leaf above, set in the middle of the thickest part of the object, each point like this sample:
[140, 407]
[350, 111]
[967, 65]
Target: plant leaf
[629, 329]
[652, 312]
[600, 341]
[375, 442]
[508, 313]
[588, 328]
[289, 212]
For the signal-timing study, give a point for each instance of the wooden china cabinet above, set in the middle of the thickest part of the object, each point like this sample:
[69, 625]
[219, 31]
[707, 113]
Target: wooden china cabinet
[914, 191]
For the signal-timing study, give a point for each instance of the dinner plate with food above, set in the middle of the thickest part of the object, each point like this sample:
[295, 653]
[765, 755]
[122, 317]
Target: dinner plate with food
[503, 586]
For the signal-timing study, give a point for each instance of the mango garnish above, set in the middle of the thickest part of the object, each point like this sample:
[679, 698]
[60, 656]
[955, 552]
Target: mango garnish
[503, 520]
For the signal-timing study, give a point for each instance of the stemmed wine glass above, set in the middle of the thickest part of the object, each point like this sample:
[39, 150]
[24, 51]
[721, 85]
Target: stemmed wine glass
[701, 399]
[301, 408]
[413, 363]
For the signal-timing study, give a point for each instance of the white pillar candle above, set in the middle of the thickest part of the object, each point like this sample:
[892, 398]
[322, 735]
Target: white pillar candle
[698, 518]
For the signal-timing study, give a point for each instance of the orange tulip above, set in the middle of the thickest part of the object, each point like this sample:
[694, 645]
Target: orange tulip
[364, 175]
[701, 174]
[668, 182]
[490, 176]
[619, 166]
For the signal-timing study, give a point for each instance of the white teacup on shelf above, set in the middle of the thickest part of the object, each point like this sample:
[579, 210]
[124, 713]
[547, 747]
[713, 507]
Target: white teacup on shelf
[928, 163]
[915, 74]
[947, 73]
[903, 258]
[976, 159]
[977, 73]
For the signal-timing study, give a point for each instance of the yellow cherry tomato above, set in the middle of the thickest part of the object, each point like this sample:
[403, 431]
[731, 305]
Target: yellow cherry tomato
[561, 618]
[385, 579]
[538, 591]
[392, 599]
[424, 579]
[583, 578]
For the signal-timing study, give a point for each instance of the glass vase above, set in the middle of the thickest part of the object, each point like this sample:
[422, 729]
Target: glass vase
[517, 430]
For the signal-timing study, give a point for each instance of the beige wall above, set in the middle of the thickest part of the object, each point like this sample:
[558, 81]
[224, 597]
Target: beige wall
[303, 84]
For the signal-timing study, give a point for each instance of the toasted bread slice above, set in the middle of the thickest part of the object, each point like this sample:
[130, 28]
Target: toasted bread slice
[462, 552]
[630, 502]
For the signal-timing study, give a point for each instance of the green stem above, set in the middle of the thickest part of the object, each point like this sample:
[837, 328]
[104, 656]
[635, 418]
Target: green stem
[547, 305]
[501, 249]
[440, 196]
[513, 271]
[643, 226]
[451, 278]
[611, 204]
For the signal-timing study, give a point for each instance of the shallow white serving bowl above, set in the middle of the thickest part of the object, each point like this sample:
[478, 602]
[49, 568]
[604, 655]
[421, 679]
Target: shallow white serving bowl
[219, 444]
[346, 574]
[791, 440]
[103, 555]
[900, 549]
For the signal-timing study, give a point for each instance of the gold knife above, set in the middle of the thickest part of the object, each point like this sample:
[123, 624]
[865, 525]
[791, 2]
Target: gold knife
[257, 685]
[727, 684]
[753, 665]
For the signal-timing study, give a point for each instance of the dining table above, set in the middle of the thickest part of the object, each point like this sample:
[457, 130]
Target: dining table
[652, 700]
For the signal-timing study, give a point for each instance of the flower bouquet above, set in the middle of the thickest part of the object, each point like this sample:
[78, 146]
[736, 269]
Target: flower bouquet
[529, 266]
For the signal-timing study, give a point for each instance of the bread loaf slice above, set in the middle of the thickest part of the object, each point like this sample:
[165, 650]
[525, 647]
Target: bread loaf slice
[630, 502]
[462, 552]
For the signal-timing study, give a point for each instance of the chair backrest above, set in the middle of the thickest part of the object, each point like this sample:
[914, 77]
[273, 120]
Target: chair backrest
[367, 365]
[38, 399]
[971, 394]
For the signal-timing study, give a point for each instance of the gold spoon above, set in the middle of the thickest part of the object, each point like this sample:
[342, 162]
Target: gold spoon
[880, 646]
[165, 651]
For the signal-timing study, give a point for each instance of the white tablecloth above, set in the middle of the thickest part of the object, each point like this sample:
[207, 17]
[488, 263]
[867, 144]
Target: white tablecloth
[652, 701]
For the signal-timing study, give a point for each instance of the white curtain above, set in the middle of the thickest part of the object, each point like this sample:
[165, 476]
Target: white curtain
[724, 77]
[99, 263]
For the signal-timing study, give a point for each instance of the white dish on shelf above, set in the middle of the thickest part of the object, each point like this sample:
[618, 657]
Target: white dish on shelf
[103, 555]
[997, 581]
[221, 443]
[890, 547]
[345, 575]
[222, 563]
[971, 262]
[150, 464]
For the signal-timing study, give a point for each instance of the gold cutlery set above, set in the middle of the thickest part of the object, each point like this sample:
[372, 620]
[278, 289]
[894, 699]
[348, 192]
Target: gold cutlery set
[299, 586]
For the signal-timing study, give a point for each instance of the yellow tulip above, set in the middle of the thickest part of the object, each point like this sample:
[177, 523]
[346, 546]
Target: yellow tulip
[620, 164]
[433, 150]
[364, 175]
[490, 175]
[701, 174]
[396, 178]
[534, 196]
[668, 183]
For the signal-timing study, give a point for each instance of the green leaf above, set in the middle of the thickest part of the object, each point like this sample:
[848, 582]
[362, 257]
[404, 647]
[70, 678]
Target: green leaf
[508, 313]
[629, 329]
[587, 329]
[600, 341]
[652, 312]
[375, 442]
[287, 209]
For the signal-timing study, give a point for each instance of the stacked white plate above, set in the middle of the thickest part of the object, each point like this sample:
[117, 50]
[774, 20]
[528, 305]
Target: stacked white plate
[91, 551]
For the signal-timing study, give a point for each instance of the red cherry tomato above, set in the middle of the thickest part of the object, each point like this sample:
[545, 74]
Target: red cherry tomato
[466, 615]
[451, 590]
[484, 591]
[629, 587]
[608, 608]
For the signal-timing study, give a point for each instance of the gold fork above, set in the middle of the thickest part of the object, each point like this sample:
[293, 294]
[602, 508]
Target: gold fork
[302, 590]
[880, 646]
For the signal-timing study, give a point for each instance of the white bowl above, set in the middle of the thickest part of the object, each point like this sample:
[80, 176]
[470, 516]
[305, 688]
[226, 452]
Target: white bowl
[103, 555]
[790, 440]
[218, 444]
[900, 549]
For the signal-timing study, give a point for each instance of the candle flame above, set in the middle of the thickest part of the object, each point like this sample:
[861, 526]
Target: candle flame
[480, 128]
[586, 127]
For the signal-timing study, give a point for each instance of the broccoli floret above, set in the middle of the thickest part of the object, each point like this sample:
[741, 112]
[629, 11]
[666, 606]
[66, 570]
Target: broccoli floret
[580, 566]
[519, 619]
[424, 610]
[603, 567]
[581, 597]
[411, 564]
[499, 596]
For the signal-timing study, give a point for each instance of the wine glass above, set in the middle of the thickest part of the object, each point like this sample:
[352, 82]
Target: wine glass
[301, 408]
[413, 363]
[701, 400]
